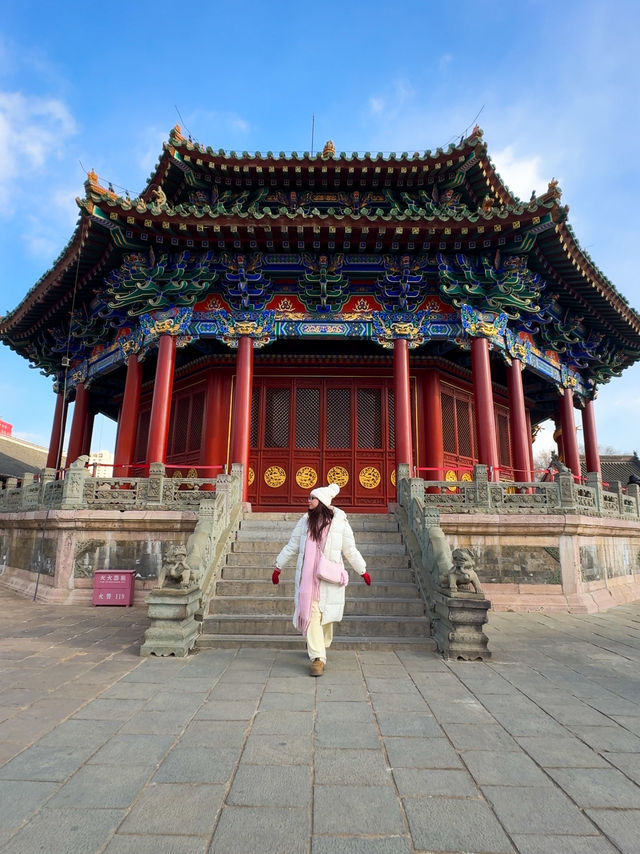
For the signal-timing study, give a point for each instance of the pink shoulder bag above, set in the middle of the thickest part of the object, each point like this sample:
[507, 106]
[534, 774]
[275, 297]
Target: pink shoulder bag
[331, 571]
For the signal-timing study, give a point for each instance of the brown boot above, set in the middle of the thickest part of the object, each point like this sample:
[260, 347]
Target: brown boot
[317, 667]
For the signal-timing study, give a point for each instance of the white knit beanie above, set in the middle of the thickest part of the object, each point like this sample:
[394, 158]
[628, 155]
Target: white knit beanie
[326, 494]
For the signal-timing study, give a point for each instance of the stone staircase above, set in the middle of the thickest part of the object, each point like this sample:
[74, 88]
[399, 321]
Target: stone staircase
[248, 610]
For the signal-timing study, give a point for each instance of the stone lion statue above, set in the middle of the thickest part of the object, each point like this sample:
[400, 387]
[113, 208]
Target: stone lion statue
[461, 573]
[174, 570]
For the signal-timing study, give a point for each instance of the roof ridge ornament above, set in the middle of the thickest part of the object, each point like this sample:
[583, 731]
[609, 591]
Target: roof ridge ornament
[329, 149]
[93, 185]
[175, 134]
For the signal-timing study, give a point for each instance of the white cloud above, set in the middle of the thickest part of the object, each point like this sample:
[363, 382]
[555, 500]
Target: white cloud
[33, 130]
[521, 173]
[376, 105]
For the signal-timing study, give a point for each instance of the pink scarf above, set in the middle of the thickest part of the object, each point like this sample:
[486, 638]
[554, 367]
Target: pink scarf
[309, 590]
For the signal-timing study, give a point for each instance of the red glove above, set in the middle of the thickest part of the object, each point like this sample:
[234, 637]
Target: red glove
[366, 578]
[275, 578]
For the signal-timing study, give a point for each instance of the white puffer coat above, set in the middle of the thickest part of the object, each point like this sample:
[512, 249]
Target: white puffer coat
[340, 541]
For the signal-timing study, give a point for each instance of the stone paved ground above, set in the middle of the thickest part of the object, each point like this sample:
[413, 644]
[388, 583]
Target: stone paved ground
[239, 751]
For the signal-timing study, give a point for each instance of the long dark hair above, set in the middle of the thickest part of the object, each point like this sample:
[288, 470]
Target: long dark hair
[318, 520]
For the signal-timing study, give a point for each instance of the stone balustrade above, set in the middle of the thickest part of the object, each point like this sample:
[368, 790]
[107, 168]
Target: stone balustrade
[79, 489]
[562, 495]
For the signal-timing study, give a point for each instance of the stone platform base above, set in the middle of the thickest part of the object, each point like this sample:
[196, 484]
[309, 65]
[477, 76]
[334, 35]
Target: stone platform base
[173, 629]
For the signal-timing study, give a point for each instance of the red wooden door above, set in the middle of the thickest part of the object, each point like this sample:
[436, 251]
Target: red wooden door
[307, 432]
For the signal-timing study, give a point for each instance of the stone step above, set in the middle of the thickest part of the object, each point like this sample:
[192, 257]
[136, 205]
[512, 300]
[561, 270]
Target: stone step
[359, 526]
[355, 626]
[296, 641]
[262, 586]
[356, 520]
[248, 610]
[268, 535]
[239, 568]
[283, 605]
[273, 547]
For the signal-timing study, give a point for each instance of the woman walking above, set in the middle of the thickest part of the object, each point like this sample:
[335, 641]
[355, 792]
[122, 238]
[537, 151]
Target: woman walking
[322, 535]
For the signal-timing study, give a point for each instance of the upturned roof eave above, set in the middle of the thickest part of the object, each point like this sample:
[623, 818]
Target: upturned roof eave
[67, 258]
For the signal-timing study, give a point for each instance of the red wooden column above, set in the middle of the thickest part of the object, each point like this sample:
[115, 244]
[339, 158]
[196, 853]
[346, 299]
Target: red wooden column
[402, 403]
[241, 418]
[434, 445]
[57, 432]
[128, 421]
[88, 433]
[569, 436]
[590, 438]
[520, 436]
[213, 450]
[557, 435]
[484, 410]
[79, 424]
[161, 403]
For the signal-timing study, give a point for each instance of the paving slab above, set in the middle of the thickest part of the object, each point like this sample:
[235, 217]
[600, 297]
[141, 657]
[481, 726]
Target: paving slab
[81, 831]
[547, 844]
[598, 787]
[356, 810]
[355, 845]
[340, 766]
[269, 785]
[475, 827]
[536, 810]
[157, 812]
[622, 827]
[126, 844]
[271, 830]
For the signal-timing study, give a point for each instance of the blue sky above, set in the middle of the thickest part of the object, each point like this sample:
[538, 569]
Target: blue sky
[94, 85]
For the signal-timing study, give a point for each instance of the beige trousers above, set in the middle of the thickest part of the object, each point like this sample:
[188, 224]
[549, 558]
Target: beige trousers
[319, 637]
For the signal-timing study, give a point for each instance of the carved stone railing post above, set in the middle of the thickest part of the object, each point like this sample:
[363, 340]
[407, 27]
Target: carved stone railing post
[481, 481]
[616, 488]
[173, 629]
[73, 488]
[594, 481]
[458, 622]
[224, 489]
[47, 476]
[27, 499]
[155, 485]
[633, 492]
[11, 483]
[566, 491]
[403, 476]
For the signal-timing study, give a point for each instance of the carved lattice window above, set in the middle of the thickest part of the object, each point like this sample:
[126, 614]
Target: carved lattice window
[463, 422]
[504, 444]
[338, 418]
[369, 418]
[276, 418]
[255, 416]
[195, 421]
[391, 420]
[448, 424]
[307, 417]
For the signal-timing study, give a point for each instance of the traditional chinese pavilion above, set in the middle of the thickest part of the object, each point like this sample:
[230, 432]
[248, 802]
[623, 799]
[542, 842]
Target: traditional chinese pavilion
[324, 317]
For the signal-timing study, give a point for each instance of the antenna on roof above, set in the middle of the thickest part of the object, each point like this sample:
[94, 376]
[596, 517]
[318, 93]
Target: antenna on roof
[473, 120]
[182, 122]
[313, 128]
